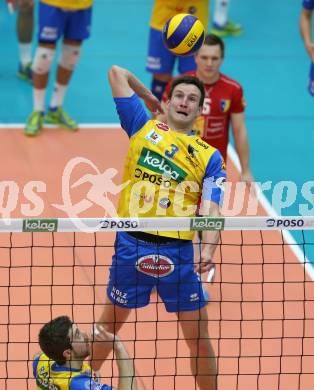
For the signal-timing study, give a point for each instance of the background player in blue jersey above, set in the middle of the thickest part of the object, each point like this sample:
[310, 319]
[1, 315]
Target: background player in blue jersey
[71, 20]
[61, 364]
[160, 61]
[164, 260]
[222, 26]
[306, 32]
[24, 31]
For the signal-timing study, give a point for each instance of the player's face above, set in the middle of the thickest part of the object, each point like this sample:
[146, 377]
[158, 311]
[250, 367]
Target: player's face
[80, 343]
[183, 107]
[208, 60]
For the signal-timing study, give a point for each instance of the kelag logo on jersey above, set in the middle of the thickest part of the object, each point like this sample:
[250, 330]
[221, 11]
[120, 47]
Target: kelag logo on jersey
[157, 266]
[159, 164]
[206, 223]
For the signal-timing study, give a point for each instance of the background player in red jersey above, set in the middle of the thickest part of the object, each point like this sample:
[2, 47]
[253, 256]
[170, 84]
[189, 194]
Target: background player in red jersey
[223, 104]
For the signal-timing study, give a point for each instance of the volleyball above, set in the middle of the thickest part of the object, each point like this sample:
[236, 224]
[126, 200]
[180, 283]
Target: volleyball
[183, 34]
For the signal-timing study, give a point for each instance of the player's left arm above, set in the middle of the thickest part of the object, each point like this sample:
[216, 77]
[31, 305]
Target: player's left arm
[212, 199]
[210, 238]
[306, 31]
[241, 144]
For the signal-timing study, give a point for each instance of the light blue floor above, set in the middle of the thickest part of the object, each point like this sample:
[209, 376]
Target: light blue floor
[268, 60]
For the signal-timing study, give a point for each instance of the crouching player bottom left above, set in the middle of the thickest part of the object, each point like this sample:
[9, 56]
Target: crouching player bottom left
[61, 365]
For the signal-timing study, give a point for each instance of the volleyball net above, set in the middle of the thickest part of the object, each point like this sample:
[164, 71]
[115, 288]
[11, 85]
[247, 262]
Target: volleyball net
[261, 311]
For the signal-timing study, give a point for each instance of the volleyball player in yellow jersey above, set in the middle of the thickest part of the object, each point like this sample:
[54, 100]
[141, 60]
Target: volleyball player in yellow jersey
[61, 365]
[70, 19]
[168, 169]
[160, 61]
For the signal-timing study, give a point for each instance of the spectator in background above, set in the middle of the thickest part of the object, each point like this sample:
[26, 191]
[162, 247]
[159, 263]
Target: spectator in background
[160, 61]
[70, 19]
[306, 32]
[222, 25]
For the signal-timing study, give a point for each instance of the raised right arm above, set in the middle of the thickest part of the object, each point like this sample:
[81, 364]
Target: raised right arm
[124, 84]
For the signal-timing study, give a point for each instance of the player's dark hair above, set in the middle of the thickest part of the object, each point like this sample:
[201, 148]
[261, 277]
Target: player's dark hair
[188, 80]
[54, 338]
[213, 40]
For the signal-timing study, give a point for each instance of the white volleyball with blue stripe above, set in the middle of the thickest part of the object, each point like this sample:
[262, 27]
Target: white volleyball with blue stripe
[183, 34]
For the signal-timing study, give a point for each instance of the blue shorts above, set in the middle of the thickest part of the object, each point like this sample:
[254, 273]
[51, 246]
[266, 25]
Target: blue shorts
[311, 80]
[138, 267]
[161, 60]
[54, 22]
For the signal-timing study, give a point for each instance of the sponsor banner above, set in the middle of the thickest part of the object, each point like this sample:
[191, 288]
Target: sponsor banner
[119, 224]
[40, 225]
[285, 222]
[207, 223]
[156, 223]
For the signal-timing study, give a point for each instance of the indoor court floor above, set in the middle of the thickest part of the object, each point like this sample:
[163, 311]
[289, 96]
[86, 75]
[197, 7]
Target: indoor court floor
[261, 311]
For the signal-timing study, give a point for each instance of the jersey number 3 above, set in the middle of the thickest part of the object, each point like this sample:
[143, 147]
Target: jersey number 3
[172, 152]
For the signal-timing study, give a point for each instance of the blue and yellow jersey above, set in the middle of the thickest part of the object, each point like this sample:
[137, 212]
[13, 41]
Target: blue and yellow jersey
[167, 171]
[50, 376]
[308, 4]
[69, 4]
[165, 9]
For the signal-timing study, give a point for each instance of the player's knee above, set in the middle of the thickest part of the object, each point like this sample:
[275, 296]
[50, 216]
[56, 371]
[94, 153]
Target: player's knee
[26, 10]
[25, 7]
[70, 55]
[199, 347]
[204, 347]
[43, 59]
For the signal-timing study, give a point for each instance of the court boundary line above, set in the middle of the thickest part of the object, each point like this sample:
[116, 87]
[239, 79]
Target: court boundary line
[295, 248]
[288, 238]
[100, 126]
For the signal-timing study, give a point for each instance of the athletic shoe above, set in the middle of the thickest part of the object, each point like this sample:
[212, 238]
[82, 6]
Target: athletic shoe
[25, 72]
[230, 29]
[34, 123]
[60, 118]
